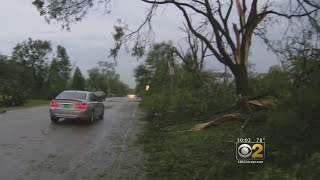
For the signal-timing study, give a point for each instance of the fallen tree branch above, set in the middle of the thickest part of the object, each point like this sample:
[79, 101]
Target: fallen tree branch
[261, 95]
[225, 118]
[238, 116]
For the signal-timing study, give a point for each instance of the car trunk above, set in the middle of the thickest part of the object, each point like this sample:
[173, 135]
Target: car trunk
[67, 103]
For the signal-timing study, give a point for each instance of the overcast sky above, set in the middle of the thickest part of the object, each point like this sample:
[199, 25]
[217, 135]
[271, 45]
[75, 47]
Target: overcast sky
[89, 41]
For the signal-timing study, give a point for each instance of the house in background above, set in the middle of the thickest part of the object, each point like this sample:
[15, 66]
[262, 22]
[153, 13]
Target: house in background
[223, 77]
[262, 74]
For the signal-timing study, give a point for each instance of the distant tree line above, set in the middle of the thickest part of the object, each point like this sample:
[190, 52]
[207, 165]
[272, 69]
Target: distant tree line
[104, 77]
[33, 72]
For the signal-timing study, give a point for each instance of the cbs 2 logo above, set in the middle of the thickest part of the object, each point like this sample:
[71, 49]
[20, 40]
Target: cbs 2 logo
[250, 150]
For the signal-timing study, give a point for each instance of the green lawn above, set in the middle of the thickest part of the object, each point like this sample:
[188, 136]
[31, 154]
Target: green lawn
[29, 103]
[175, 153]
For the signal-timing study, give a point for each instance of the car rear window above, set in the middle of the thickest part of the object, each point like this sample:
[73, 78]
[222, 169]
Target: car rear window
[72, 95]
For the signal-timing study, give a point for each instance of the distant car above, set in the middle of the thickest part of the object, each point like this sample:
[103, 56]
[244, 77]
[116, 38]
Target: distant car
[82, 105]
[101, 95]
[131, 96]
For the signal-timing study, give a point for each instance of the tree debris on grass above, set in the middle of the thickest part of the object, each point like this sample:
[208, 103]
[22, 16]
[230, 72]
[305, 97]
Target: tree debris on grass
[260, 103]
[228, 117]
[234, 116]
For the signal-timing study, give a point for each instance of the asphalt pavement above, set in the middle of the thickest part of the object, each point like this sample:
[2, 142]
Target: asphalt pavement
[31, 147]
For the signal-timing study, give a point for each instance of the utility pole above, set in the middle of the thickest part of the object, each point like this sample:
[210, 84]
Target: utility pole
[171, 84]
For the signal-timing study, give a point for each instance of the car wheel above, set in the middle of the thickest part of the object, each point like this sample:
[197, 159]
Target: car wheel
[101, 116]
[91, 118]
[54, 119]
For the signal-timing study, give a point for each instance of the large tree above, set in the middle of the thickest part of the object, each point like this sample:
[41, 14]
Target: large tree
[78, 81]
[33, 55]
[155, 70]
[228, 40]
[59, 72]
[14, 82]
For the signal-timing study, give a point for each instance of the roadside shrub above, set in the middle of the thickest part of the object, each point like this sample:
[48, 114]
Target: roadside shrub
[181, 103]
[310, 169]
[307, 169]
[188, 103]
[11, 93]
[293, 130]
[154, 104]
[221, 97]
[270, 173]
[276, 81]
[296, 122]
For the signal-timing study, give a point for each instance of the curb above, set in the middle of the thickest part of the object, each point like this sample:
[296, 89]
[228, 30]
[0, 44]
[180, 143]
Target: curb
[3, 111]
[17, 108]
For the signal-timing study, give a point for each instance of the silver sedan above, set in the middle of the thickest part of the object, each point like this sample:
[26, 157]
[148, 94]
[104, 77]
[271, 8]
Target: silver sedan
[81, 105]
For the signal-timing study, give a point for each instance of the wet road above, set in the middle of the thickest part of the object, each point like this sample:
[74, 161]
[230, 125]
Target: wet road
[33, 148]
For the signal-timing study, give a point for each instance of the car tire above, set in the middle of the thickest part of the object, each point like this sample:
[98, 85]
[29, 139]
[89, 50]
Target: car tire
[101, 116]
[91, 118]
[54, 119]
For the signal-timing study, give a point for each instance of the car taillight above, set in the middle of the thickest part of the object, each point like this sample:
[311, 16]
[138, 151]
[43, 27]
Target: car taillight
[81, 106]
[54, 104]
